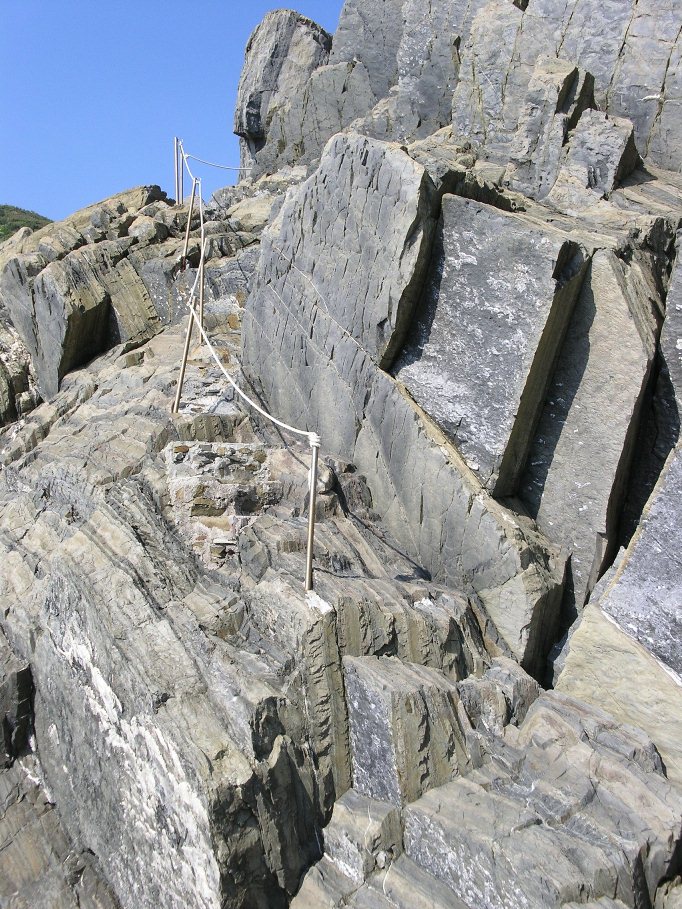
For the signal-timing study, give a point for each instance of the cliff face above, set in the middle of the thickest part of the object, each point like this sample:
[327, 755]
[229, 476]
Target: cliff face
[456, 259]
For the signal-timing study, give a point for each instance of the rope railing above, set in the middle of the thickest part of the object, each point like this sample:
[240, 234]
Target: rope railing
[197, 317]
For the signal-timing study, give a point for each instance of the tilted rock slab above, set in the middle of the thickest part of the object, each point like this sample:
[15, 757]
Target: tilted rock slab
[638, 616]
[578, 465]
[492, 318]
[334, 294]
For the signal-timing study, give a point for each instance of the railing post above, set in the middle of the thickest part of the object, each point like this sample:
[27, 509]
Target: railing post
[312, 503]
[182, 172]
[185, 355]
[189, 223]
[175, 166]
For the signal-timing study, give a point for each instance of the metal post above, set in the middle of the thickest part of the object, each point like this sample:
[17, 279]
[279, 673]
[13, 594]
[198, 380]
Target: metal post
[175, 165]
[185, 354]
[312, 503]
[189, 223]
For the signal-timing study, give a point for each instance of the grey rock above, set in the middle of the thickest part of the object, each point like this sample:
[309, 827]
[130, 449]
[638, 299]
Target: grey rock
[579, 462]
[600, 153]
[378, 301]
[40, 868]
[404, 730]
[645, 596]
[503, 695]
[362, 835]
[281, 54]
[480, 358]
[69, 291]
[333, 98]
[309, 350]
[558, 93]
[671, 333]
[371, 33]
[16, 706]
[471, 832]
[632, 51]
[478, 100]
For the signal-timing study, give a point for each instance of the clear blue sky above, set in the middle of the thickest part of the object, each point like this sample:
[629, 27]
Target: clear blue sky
[93, 91]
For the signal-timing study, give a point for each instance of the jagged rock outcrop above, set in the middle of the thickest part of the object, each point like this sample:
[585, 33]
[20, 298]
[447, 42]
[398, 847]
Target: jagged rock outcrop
[365, 416]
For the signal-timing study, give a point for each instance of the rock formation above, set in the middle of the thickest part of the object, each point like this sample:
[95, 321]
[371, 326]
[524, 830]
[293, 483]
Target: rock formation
[456, 258]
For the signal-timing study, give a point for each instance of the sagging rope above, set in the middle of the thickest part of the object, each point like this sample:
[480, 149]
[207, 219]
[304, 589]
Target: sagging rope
[198, 319]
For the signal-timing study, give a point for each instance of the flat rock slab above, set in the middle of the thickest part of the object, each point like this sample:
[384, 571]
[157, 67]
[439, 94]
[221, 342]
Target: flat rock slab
[404, 731]
[491, 321]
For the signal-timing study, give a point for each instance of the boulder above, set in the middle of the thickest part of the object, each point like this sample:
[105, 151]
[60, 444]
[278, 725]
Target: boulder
[491, 322]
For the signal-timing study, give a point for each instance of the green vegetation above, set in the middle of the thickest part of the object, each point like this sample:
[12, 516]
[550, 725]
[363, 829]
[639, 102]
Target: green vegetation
[12, 218]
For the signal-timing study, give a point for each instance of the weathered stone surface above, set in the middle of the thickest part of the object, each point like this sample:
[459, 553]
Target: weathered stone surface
[368, 174]
[600, 153]
[371, 33]
[503, 695]
[478, 99]
[601, 663]
[482, 835]
[309, 349]
[333, 98]
[404, 729]
[282, 53]
[644, 596]
[671, 333]
[491, 322]
[558, 93]
[362, 835]
[16, 707]
[579, 462]
[631, 49]
[39, 866]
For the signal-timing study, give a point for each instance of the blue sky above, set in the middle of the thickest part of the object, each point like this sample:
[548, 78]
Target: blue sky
[92, 93]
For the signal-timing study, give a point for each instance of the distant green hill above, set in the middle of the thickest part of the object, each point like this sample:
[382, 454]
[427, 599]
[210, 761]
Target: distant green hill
[12, 218]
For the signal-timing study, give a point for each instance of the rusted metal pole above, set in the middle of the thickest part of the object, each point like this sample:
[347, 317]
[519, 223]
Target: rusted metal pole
[312, 504]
